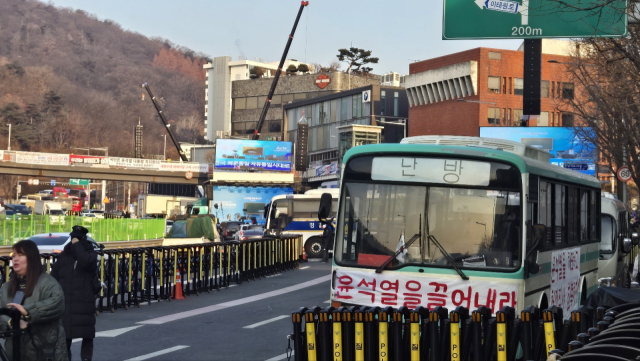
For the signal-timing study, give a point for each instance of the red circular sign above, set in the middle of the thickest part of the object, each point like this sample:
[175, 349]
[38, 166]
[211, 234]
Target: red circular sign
[624, 174]
[30, 182]
[188, 174]
[322, 81]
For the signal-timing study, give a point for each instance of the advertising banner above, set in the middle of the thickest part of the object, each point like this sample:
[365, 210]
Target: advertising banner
[566, 149]
[243, 203]
[397, 289]
[327, 169]
[134, 162]
[42, 158]
[88, 160]
[253, 155]
[565, 279]
[184, 167]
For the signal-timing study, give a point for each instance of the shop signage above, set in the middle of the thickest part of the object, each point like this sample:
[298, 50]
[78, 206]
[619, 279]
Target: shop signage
[322, 81]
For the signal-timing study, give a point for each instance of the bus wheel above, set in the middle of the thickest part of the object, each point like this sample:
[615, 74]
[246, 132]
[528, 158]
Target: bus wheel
[313, 247]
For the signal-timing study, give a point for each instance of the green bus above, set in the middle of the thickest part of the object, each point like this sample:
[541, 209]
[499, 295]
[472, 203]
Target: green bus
[463, 221]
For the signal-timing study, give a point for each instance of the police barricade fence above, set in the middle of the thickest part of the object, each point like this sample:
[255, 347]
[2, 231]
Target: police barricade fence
[398, 334]
[131, 276]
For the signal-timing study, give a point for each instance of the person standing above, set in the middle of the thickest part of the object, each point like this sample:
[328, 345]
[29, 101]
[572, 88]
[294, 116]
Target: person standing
[75, 269]
[41, 309]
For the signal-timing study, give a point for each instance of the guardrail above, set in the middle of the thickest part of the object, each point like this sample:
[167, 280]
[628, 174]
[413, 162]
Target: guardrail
[101, 230]
[398, 334]
[131, 276]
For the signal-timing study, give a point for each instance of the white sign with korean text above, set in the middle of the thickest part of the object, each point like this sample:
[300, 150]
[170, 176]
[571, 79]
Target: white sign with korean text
[565, 279]
[184, 167]
[134, 162]
[407, 289]
[431, 170]
[42, 158]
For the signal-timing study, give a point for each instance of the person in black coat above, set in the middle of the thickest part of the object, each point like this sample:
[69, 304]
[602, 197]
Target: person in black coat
[75, 270]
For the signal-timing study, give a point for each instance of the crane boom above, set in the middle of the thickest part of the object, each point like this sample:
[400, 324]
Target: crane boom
[166, 123]
[267, 103]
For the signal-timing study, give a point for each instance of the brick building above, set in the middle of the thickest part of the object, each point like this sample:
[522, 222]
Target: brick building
[490, 83]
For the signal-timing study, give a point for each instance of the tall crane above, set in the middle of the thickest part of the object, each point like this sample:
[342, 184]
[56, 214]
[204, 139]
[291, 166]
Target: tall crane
[267, 103]
[166, 123]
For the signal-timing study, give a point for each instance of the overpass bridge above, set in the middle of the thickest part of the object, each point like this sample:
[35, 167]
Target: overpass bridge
[54, 165]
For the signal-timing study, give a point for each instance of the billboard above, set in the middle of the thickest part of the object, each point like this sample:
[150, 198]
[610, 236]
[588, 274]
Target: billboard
[566, 148]
[243, 203]
[240, 154]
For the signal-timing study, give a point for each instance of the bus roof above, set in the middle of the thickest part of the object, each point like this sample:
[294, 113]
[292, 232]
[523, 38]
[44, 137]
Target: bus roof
[524, 164]
[313, 196]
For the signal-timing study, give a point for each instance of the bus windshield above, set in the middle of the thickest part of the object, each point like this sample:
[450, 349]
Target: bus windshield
[478, 225]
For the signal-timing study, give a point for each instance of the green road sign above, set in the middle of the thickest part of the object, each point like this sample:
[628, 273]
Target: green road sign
[79, 182]
[533, 19]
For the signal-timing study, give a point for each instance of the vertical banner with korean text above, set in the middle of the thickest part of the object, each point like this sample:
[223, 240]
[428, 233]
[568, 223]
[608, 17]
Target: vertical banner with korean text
[565, 279]
[406, 289]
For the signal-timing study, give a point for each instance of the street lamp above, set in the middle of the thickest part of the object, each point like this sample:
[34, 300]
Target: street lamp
[9, 140]
[495, 106]
[164, 153]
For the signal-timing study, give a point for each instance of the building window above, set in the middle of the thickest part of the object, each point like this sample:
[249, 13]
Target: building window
[252, 103]
[567, 120]
[560, 223]
[509, 85]
[494, 84]
[344, 108]
[395, 104]
[543, 119]
[504, 85]
[240, 103]
[567, 91]
[518, 86]
[544, 89]
[493, 116]
[495, 56]
[382, 102]
[356, 104]
[517, 116]
[275, 126]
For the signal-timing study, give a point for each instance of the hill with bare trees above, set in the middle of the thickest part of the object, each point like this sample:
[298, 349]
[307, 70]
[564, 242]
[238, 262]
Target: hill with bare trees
[68, 79]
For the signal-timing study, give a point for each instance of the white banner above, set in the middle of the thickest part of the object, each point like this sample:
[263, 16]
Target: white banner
[565, 279]
[134, 162]
[42, 158]
[183, 167]
[412, 290]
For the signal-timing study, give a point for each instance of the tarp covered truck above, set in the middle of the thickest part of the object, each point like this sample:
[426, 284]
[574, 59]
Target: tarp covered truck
[161, 205]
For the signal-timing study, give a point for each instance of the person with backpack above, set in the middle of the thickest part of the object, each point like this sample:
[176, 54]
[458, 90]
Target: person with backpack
[75, 270]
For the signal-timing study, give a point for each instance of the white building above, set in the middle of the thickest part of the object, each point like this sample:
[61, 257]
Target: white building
[220, 73]
[392, 79]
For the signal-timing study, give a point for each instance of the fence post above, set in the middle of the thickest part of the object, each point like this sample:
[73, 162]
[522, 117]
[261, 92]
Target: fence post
[336, 350]
[298, 335]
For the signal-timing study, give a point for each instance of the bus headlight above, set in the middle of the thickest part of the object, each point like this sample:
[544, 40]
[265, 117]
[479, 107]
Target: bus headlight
[606, 282]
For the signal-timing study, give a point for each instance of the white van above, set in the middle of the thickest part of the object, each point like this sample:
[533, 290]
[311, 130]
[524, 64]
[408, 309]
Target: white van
[615, 243]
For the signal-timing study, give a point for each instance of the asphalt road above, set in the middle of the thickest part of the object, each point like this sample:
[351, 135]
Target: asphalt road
[213, 326]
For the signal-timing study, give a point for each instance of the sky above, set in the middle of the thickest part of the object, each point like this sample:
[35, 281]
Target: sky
[398, 32]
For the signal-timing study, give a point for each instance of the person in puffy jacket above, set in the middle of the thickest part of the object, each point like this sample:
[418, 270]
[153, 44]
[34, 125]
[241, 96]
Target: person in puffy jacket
[41, 309]
[75, 270]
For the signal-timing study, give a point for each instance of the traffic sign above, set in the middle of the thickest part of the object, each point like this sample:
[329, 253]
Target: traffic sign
[624, 174]
[30, 181]
[33, 182]
[533, 19]
[188, 174]
[53, 182]
[79, 182]
[576, 166]
[105, 200]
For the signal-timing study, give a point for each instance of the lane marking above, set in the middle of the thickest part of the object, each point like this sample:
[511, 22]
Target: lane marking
[280, 357]
[327, 301]
[116, 332]
[305, 267]
[157, 353]
[266, 321]
[238, 302]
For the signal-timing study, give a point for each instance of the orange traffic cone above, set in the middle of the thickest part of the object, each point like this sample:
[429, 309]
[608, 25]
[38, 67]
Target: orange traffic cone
[177, 289]
[304, 255]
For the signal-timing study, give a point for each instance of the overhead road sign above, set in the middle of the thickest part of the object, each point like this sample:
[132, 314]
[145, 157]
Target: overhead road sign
[79, 182]
[533, 19]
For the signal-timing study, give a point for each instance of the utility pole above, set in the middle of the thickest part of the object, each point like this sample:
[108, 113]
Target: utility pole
[9, 140]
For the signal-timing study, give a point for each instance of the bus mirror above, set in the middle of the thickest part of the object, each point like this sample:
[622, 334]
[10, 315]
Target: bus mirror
[532, 267]
[626, 245]
[634, 238]
[325, 206]
[539, 234]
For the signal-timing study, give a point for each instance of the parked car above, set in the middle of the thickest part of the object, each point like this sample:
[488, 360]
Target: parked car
[55, 242]
[98, 213]
[88, 217]
[19, 209]
[249, 231]
[229, 231]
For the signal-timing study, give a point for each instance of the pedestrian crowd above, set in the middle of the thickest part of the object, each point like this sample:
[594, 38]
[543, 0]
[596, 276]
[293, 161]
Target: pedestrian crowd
[56, 308]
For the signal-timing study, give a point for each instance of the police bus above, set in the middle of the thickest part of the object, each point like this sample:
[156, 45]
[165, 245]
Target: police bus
[464, 221]
[298, 214]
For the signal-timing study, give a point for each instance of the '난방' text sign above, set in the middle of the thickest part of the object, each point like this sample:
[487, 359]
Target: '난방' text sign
[397, 289]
